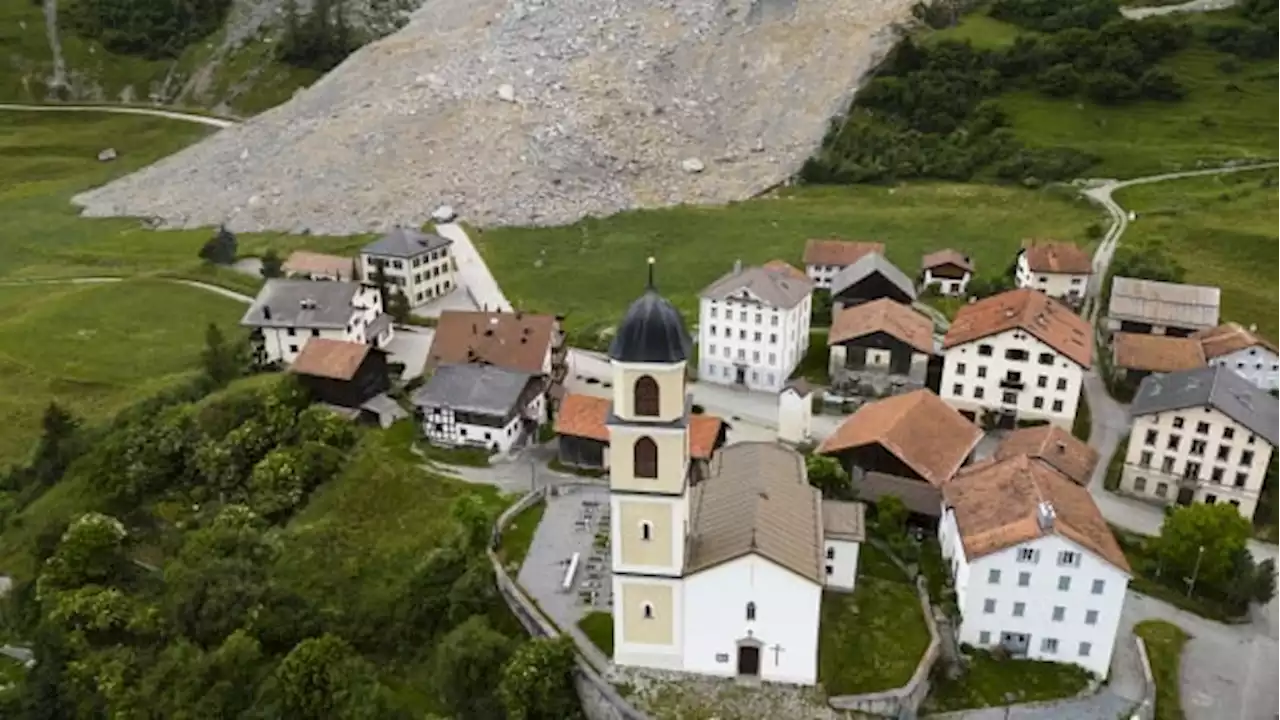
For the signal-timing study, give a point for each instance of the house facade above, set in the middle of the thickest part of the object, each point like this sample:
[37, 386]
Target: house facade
[843, 532]
[1161, 308]
[1250, 356]
[947, 271]
[824, 259]
[288, 313]
[880, 338]
[480, 406]
[1058, 269]
[517, 341]
[870, 278]
[1019, 355]
[753, 327]
[1200, 436]
[795, 412]
[418, 264]
[1035, 568]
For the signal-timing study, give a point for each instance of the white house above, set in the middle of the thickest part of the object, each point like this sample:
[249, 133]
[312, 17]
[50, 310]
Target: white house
[1202, 435]
[1035, 567]
[287, 313]
[824, 259]
[724, 577]
[947, 270]
[420, 265]
[517, 341]
[480, 406]
[795, 412]
[1242, 350]
[843, 532]
[753, 326]
[1058, 269]
[1016, 355]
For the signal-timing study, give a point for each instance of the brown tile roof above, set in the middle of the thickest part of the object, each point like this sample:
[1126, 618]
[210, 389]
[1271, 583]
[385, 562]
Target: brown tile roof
[997, 506]
[1157, 353]
[921, 430]
[783, 266]
[326, 358]
[838, 252]
[1228, 338]
[514, 341]
[757, 501]
[1055, 446]
[1030, 310]
[946, 257]
[1057, 257]
[304, 261]
[886, 316]
[844, 520]
[585, 416]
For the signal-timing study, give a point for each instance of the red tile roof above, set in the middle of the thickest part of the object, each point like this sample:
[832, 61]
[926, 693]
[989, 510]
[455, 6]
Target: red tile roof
[883, 315]
[585, 416]
[1057, 257]
[838, 252]
[334, 359]
[1029, 310]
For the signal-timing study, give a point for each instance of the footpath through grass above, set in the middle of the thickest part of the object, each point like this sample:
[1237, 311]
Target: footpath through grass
[593, 269]
[1164, 642]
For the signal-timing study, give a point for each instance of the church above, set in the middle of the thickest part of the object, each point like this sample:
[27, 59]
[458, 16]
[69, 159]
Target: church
[723, 577]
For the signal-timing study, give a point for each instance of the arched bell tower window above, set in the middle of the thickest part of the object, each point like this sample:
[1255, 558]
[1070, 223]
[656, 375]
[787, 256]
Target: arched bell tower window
[751, 611]
[646, 396]
[645, 458]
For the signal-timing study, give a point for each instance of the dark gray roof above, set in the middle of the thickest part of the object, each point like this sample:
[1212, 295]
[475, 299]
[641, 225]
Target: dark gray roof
[775, 288]
[1217, 387]
[302, 303]
[866, 265]
[652, 331]
[403, 242]
[476, 388]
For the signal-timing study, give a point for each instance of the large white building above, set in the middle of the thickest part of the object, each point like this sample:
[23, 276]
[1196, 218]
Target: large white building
[1058, 269]
[722, 578]
[418, 264]
[1243, 351]
[288, 313]
[824, 259]
[1016, 355]
[1035, 567]
[753, 326]
[1202, 435]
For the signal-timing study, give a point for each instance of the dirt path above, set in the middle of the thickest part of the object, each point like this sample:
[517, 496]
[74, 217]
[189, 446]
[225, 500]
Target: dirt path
[209, 120]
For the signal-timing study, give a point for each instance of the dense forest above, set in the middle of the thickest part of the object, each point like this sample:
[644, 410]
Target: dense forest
[179, 589]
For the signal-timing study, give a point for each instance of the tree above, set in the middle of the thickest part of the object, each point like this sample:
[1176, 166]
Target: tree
[57, 447]
[272, 265]
[1160, 84]
[397, 306]
[278, 482]
[324, 679]
[220, 249]
[891, 518]
[537, 682]
[1147, 261]
[475, 522]
[222, 361]
[467, 660]
[1204, 541]
[91, 551]
[826, 474]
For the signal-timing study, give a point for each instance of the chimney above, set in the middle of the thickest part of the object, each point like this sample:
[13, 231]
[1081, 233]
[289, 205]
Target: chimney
[266, 312]
[1062, 447]
[737, 267]
[1045, 515]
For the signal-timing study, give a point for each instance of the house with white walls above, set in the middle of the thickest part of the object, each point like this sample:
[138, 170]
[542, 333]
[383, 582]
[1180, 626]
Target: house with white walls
[1203, 435]
[825, 258]
[481, 406]
[418, 264]
[1058, 269]
[795, 412]
[948, 271]
[1035, 567]
[753, 326]
[287, 313]
[1019, 355]
[843, 532]
[1251, 356]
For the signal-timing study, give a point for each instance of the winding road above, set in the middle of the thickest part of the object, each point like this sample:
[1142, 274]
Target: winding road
[209, 120]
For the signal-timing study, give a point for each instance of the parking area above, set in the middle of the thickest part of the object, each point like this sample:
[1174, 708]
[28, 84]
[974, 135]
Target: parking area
[576, 521]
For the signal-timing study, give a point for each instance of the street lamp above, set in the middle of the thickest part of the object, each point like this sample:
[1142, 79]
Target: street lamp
[1195, 571]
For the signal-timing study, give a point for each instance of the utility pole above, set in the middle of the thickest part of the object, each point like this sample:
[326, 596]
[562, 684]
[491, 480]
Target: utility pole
[1195, 571]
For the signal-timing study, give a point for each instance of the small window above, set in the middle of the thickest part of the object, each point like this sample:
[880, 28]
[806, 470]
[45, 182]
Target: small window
[1241, 478]
[1210, 499]
[1042, 381]
[1162, 489]
[1090, 617]
[646, 396]
[1173, 442]
[1019, 609]
[1178, 423]
[1038, 403]
[982, 371]
[978, 393]
[984, 638]
[988, 606]
[645, 458]
[293, 348]
[1068, 558]
[829, 570]
[1062, 383]
[647, 609]
[290, 332]
[1027, 555]
[1024, 579]
[315, 333]
[1197, 447]
[1064, 582]
[1057, 406]
[1246, 458]
[1015, 354]
[1202, 428]
[751, 611]
[1217, 474]
[993, 576]
[1009, 398]
[984, 350]
[646, 531]
[1049, 645]
[1145, 458]
[1045, 359]
[1224, 452]
[831, 553]
[1085, 649]
[960, 368]
[957, 390]
[1152, 435]
[1228, 433]
[1059, 613]
[1139, 484]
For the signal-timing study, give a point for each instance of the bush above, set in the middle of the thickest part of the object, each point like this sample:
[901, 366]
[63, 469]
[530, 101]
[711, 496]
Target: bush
[1110, 88]
[319, 40]
[1053, 15]
[1060, 80]
[1160, 84]
[150, 28]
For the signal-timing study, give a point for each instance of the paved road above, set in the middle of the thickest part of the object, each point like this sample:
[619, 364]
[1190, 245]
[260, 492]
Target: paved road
[216, 122]
[474, 273]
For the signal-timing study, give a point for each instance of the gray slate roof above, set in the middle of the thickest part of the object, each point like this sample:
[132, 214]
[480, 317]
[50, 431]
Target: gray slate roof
[866, 265]
[404, 243]
[475, 388]
[775, 288]
[1163, 303]
[302, 303]
[1217, 387]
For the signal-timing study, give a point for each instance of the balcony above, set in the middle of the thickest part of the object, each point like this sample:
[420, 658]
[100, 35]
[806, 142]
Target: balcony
[1009, 383]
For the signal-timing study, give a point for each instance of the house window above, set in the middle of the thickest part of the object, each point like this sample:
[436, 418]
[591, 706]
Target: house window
[1246, 458]
[647, 610]
[293, 348]
[978, 393]
[982, 371]
[1068, 558]
[757, 337]
[645, 458]
[1197, 447]
[773, 338]
[1057, 406]
[1210, 499]
[773, 320]
[1173, 442]
[751, 611]
[1090, 617]
[1224, 451]
[1216, 474]
[1059, 612]
[1015, 354]
[1024, 579]
[646, 396]
[1085, 648]
[1202, 428]
[831, 553]
[1162, 489]
[1045, 359]
[1166, 465]
[957, 390]
[290, 332]
[1038, 403]
[829, 570]
[1145, 459]
[713, 315]
[989, 606]
[1140, 484]
[1009, 398]
[1019, 609]
[759, 319]
[315, 333]
[1026, 555]
[1178, 423]
[646, 530]
[984, 638]
[1062, 383]
[1151, 437]
[1241, 478]
[1042, 381]
[1064, 582]
[993, 576]
[1049, 645]
[1228, 433]
[960, 368]
[984, 350]
[711, 349]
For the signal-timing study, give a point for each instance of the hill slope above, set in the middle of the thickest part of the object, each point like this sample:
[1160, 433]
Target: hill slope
[532, 113]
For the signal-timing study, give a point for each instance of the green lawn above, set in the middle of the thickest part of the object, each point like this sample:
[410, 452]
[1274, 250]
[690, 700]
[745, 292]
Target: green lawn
[873, 638]
[598, 627]
[989, 682]
[517, 536]
[1223, 230]
[874, 562]
[591, 270]
[96, 348]
[981, 30]
[1164, 642]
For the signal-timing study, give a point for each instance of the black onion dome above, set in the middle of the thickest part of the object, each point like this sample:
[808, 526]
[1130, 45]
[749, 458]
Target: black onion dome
[652, 331]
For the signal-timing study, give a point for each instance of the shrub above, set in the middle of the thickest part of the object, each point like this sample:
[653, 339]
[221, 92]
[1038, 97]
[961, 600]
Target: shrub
[1160, 84]
[319, 40]
[1110, 88]
[150, 28]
